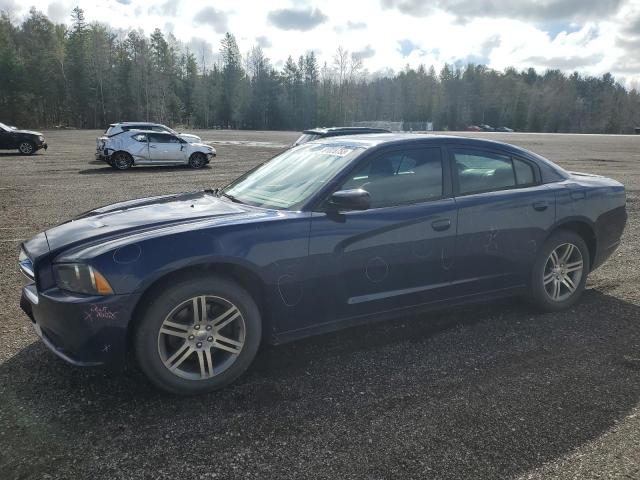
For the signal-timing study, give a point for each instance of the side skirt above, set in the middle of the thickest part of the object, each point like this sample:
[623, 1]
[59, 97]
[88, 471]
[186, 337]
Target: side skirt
[292, 335]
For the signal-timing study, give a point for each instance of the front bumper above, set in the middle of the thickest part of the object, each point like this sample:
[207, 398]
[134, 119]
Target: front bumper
[82, 330]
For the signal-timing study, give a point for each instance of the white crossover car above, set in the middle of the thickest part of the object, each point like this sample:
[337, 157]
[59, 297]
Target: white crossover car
[119, 128]
[146, 147]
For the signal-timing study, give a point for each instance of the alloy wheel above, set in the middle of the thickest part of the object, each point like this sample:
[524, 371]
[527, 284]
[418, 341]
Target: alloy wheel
[197, 161]
[201, 337]
[563, 272]
[121, 162]
[26, 148]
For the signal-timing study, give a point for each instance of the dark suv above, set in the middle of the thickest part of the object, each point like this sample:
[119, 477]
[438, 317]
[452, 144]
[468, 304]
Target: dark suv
[25, 141]
[315, 133]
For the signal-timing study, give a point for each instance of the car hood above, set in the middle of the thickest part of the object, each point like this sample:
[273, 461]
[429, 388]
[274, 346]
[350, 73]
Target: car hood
[27, 132]
[144, 214]
[188, 136]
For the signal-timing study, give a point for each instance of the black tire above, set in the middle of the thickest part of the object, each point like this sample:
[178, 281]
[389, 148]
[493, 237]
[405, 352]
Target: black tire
[121, 161]
[197, 160]
[543, 290]
[26, 147]
[150, 344]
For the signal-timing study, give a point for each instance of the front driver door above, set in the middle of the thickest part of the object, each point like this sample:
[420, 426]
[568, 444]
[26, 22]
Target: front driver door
[6, 140]
[397, 253]
[166, 148]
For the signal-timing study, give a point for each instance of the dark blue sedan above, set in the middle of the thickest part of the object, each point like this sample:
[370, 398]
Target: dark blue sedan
[326, 235]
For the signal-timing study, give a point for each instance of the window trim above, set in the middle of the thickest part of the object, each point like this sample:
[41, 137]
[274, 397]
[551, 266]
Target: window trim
[321, 206]
[456, 180]
[133, 137]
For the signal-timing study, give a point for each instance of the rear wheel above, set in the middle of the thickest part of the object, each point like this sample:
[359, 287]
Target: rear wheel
[198, 335]
[26, 147]
[121, 161]
[560, 271]
[197, 160]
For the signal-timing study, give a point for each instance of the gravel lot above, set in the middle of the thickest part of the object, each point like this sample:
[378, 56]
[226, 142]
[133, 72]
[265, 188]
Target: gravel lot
[496, 391]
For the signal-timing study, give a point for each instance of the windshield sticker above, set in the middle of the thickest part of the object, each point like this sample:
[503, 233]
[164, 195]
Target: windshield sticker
[337, 151]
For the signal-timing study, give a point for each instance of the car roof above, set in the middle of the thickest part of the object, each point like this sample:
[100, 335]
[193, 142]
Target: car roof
[336, 130]
[375, 140]
[136, 123]
[141, 130]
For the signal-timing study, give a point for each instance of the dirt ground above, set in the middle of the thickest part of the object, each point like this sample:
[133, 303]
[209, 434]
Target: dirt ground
[492, 391]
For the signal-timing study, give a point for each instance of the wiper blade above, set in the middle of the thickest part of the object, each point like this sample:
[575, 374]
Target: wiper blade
[230, 197]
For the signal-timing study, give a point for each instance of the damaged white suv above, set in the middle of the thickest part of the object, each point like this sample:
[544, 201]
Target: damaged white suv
[146, 147]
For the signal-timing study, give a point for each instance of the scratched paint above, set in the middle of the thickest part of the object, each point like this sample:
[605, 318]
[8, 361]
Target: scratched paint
[98, 312]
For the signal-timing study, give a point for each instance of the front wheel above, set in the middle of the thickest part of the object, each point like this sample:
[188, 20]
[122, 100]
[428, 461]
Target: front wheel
[560, 272]
[197, 160]
[198, 335]
[27, 148]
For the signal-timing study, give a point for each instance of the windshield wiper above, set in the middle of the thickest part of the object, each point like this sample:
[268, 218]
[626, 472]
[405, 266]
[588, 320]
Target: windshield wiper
[230, 197]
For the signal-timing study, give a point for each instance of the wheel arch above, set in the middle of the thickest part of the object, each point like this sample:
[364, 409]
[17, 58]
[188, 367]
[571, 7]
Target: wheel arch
[240, 274]
[115, 152]
[585, 229]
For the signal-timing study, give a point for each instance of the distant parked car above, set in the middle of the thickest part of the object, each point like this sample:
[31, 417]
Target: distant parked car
[473, 128]
[27, 142]
[143, 147]
[116, 129]
[316, 133]
[504, 129]
[487, 128]
[324, 236]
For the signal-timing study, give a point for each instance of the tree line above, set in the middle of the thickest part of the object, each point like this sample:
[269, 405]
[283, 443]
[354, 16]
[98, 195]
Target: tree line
[87, 75]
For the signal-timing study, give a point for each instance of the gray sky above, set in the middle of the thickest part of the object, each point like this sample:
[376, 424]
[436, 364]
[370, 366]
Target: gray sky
[590, 36]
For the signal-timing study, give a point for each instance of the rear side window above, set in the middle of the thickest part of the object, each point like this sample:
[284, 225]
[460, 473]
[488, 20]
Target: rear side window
[159, 138]
[524, 172]
[141, 137]
[480, 171]
[400, 178]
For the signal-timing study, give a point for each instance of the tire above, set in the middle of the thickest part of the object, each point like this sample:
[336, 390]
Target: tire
[27, 147]
[121, 161]
[558, 280]
[197, 160]
[174, 355]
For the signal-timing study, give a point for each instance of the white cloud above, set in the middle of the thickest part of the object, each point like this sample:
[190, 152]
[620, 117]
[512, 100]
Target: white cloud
[592, 36]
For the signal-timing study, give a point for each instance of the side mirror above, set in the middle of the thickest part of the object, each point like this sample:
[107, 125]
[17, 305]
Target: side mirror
[355, 199]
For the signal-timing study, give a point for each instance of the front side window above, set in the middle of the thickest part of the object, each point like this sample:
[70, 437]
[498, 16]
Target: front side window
[400, 178]
[480, 171]
[293, 177]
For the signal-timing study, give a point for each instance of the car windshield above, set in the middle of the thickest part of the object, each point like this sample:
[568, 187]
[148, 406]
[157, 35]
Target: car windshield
[291, 178]
[110, 130]
[306, 137]
[4, 127]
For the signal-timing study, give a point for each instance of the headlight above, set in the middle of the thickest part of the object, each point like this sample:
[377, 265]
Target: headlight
[81, 278]
[41, 138]
[26, 265]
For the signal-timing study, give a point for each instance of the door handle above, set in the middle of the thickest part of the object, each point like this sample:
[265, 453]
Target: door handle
[441, 225]
[540, 206]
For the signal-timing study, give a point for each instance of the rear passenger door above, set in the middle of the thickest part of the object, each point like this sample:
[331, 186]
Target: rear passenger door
[504, 213]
